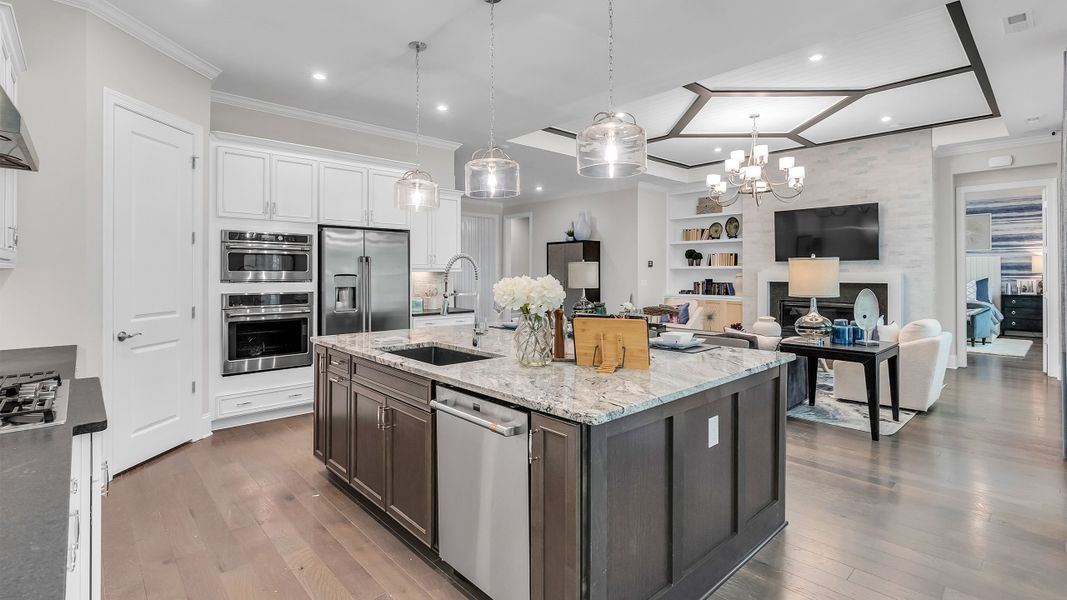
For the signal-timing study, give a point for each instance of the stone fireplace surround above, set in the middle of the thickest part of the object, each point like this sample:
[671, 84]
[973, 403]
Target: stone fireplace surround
[774, 299]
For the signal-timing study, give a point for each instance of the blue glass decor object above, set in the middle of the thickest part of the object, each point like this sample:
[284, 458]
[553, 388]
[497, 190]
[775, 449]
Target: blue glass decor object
[841, 333]
[857, 333]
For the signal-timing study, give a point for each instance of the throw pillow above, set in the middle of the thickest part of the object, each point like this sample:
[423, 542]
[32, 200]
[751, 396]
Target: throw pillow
[982, 290]
[683, 314]
[972, 290]
[889, 333]
[918, 330]
[751, 338]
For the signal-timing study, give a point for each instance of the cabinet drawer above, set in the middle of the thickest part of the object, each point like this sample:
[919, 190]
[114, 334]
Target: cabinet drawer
[1033, 325]
[392, 382]
[1023, 302]
[338, 363]
[460, 319]
[250, 402]
[1021, 312]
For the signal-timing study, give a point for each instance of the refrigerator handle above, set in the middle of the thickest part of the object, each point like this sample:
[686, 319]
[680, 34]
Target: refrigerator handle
[362, 291]
[367, 282]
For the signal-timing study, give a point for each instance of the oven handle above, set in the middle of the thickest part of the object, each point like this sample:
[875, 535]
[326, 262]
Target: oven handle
[232, 318]
[272, 247]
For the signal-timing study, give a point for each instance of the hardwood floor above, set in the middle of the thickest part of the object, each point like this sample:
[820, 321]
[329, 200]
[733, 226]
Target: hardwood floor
[968, 501]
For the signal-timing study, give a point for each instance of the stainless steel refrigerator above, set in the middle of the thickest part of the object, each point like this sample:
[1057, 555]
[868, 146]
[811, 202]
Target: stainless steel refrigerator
[364, 280]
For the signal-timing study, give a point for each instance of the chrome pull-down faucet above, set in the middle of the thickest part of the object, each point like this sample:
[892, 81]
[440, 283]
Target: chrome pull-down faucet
[480, 324]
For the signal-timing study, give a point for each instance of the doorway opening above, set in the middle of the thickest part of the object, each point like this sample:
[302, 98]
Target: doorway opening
[518, 244]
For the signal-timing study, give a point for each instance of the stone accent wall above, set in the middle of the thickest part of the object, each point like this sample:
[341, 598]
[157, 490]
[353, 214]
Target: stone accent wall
[896, 172]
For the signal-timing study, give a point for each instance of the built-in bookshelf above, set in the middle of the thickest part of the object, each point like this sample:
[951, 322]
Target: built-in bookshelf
[682, 217]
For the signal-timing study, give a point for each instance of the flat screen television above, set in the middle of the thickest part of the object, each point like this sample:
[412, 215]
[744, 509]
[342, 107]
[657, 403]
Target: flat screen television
[847, 232]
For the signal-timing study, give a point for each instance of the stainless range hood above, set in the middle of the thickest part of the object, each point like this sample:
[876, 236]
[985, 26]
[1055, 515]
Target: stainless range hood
[16, 149]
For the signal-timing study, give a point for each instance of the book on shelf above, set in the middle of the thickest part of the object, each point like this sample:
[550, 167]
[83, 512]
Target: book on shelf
[710, 287]
[723, 259]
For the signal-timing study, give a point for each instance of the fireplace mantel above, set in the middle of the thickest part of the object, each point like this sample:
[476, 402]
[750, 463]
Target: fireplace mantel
[894, 280]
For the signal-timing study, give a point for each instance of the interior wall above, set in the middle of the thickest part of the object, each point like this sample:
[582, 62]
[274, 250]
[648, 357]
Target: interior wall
[54, 296]
[614, 224]
[518, 246]
[651, 241]
[896, 172]
[1017, 231]
[231, 119]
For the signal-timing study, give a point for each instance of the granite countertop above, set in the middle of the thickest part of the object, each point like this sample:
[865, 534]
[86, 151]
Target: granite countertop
[35, 480]
[561, 389]
[436, 312]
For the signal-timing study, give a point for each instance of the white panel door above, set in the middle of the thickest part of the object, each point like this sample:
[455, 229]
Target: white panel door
[342, 194]
[294, 193]
[153, 406]
[446, 230]
[383, 210]
[243, 183]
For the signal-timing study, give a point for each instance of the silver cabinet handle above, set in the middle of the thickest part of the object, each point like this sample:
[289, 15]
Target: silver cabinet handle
[78, 528]
[246, 403]
[73, 486]
[107, 478]
[297, 395]
[380, 407]
[122, 336]
[14, 238]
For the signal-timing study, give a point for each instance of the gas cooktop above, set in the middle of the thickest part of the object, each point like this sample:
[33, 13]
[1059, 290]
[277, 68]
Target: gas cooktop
[32, 400]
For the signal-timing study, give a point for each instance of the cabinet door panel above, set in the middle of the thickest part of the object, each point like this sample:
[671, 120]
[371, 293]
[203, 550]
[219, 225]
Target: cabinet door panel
[368, 444]
[446, 230]
[321, 390]
[410, 440]
[242, 183]
[421, 249]
[294, 195]
[342, 194]
[383, 210]
[554, 509]
[337, 438]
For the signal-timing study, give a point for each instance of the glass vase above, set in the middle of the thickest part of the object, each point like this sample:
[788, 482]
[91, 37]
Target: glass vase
[533, 340]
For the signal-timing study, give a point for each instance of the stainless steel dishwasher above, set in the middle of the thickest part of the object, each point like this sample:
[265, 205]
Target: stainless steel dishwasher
[483, 491]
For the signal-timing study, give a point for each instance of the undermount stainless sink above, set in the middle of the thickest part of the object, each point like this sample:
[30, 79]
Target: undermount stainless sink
[437, 355]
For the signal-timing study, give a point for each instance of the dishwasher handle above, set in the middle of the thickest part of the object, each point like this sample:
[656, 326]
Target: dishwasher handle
[479, 420]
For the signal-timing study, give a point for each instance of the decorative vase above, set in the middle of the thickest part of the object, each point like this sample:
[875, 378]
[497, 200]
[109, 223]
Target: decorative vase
[582, 228]
[767, 326]
[533, 340]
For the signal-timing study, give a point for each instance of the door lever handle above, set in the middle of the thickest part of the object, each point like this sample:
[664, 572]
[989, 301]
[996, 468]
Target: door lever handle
[123, 336]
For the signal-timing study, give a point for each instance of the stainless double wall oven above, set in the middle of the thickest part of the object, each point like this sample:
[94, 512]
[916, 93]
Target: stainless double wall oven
[263, 332]
[252, 256]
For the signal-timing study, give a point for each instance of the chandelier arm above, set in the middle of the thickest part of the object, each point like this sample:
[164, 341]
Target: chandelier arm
[786, 198]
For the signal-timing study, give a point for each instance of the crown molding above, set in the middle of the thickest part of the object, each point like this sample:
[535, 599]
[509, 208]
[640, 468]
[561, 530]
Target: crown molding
[138, 29]
[330, 120]
[993, 145]
[371, 162]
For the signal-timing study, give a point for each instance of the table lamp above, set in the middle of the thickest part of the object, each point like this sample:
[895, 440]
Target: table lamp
[1037, 265]
[583, 275]
[814, 278]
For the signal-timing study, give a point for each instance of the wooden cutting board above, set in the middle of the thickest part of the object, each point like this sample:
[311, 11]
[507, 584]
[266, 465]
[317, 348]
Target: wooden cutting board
[600, 342]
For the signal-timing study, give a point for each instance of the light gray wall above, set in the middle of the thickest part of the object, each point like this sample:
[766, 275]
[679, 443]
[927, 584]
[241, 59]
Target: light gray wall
[651, 239]
[54, 295]
[518, 241]
[231, 119]
[894, 171]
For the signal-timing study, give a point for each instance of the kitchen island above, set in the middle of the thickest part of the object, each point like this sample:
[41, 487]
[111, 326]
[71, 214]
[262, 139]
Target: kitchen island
[657, 483]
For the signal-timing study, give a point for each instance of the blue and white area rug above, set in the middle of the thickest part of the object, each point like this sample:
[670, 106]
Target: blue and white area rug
[845, 413]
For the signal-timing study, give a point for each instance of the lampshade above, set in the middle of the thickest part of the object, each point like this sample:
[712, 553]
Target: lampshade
[814, 277]
[1037, 263]
[582, 275]
[416, 191]
[491, 173]
[613, 146]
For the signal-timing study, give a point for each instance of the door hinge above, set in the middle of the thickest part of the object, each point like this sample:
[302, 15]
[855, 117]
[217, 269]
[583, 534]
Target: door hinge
[195, 157]
[193, 311]
[192, 237]
[193, 387]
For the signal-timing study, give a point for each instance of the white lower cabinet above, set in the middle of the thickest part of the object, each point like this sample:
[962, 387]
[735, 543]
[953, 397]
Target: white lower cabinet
[88, 482]
[443, 321]
[230, 405]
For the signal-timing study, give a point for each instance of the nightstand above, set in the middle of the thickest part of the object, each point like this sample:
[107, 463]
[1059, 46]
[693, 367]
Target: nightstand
[1022, 312]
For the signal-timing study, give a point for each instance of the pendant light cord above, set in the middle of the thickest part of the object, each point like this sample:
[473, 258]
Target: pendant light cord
[418, 105]
[492, 75]
[611, 57]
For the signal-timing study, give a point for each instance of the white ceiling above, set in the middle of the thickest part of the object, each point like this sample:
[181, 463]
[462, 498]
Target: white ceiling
[551, 57]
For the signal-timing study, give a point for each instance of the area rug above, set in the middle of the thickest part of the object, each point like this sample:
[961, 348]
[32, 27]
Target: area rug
[1012, 347]
[844, 413]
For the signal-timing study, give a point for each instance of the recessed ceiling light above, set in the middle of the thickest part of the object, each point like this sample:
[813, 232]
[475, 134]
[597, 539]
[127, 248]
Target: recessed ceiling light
[718, 149]
[442, 107]
[539, 188]
[887, 119]
[319, 76]
[815, 57]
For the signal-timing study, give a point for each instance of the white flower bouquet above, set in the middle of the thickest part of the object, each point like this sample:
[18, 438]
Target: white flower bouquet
[528, 295]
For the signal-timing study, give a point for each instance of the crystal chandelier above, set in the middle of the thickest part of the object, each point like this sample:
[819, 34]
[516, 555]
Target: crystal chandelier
[416, 190]
[614, 144]
[749, 176]
[491, 173]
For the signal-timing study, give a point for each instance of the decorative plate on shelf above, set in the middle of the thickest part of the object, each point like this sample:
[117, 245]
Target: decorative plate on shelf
[715, 230]
[733, 227]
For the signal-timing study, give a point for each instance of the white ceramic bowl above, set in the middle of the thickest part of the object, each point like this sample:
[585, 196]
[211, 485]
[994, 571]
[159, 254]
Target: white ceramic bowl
[677, 337]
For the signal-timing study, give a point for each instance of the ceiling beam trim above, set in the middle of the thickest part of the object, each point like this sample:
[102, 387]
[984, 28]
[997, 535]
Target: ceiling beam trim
[963, 30]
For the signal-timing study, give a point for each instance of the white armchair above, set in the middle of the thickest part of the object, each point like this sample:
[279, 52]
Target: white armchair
[924, 350]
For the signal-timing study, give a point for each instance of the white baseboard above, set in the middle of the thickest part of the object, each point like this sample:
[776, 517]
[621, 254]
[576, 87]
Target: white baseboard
[259, 417]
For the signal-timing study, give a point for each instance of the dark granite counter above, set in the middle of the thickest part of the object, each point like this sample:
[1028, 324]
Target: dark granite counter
[35, 480]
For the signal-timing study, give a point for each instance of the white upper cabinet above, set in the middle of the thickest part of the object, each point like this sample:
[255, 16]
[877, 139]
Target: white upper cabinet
[243, 180]
[342, 194]
[383, 210]
[435, 234]
[12, 62]
[294, 189]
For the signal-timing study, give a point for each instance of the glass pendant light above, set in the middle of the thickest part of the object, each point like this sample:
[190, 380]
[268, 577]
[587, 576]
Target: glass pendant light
[614, 145]
[491, 173]
[416, 190]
